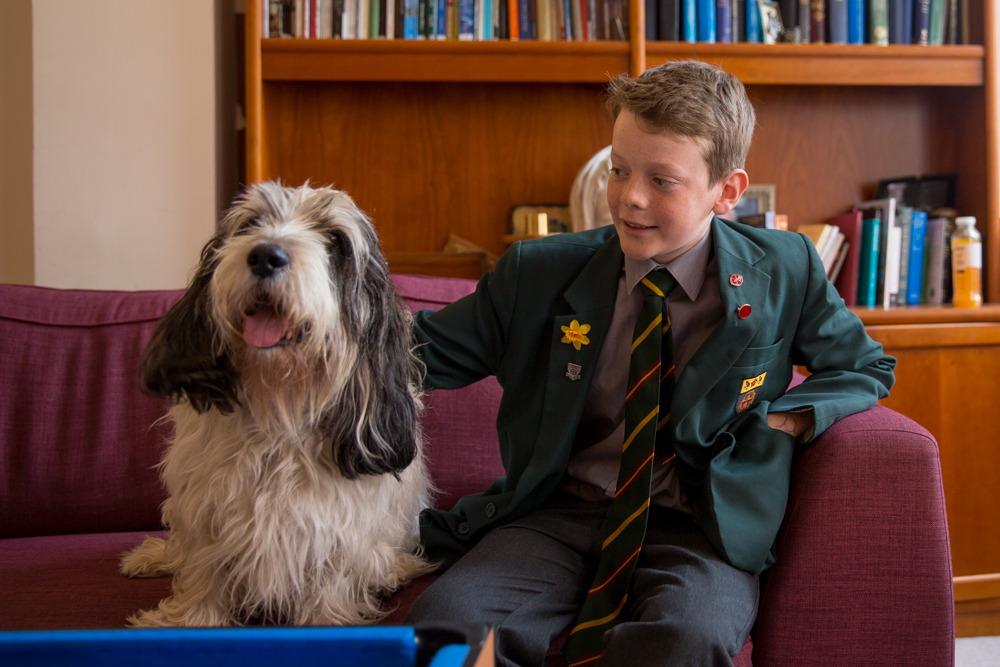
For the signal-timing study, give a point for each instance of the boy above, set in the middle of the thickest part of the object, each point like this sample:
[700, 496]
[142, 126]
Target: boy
[698, 437]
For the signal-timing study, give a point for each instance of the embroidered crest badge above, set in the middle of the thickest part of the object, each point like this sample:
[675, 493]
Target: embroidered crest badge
[748, 392]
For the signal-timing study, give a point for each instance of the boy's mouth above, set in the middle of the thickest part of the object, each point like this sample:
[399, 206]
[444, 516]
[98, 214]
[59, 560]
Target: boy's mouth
[634, 225]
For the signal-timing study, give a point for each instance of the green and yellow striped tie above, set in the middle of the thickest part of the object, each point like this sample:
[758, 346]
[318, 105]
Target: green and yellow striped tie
[647, 415]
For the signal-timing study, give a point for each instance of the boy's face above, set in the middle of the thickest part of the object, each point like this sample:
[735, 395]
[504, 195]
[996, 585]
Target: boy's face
[658, 190]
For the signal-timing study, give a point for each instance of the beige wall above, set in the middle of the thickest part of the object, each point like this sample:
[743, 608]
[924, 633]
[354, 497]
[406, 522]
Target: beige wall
[124, 141]
[16, 237]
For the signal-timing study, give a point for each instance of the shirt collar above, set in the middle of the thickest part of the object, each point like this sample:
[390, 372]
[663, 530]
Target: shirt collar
[688, 269]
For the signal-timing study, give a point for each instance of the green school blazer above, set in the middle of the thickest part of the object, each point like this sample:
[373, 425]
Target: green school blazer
[733, 467]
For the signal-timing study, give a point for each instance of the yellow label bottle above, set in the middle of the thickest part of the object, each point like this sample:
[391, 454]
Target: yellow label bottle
[967, 264]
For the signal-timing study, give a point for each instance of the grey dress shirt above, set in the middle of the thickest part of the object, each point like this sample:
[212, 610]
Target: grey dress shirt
[695, 310]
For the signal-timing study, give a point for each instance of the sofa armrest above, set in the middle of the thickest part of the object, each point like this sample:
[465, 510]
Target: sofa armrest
[863, 572]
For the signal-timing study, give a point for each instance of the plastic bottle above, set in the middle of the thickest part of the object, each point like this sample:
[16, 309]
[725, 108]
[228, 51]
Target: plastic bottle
[967, 264]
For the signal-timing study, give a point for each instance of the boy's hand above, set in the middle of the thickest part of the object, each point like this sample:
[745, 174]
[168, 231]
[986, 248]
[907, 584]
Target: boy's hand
[793, 423]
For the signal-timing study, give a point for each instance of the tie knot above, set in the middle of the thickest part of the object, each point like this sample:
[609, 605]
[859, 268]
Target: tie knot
[659, 283]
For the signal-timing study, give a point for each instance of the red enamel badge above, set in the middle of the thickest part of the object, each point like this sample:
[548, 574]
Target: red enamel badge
[736, 280]
[744, 311]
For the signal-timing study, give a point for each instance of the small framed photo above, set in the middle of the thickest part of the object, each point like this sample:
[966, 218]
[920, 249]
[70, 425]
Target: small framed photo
[770, 21]
[756, 199]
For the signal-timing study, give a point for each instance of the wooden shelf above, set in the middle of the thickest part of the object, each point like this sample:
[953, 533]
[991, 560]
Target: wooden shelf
[926, 314]
[833, 64]
[405, 60]
[595, 62]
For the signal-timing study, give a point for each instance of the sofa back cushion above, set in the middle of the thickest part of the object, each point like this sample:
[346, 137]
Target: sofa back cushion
[79, 441]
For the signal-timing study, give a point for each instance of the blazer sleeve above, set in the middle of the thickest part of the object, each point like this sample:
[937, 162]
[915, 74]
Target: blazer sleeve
[465, 341]
[850, 372]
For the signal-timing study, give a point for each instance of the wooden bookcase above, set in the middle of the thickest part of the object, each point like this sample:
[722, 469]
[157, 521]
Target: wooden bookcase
[433, 138]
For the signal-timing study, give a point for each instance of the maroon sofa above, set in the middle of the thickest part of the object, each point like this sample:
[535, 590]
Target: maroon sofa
[863, 574]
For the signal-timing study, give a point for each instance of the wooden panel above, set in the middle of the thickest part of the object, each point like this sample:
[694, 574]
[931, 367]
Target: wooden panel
[831, 64]
[952, 391]
[926, 314]
[253, 92]
[977, 618]
[405, 60]
[981, 587]
[445, 265]
[427, 160]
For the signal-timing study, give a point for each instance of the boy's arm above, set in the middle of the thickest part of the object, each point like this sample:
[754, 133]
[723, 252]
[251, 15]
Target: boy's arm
[465, 341]
[850, 373]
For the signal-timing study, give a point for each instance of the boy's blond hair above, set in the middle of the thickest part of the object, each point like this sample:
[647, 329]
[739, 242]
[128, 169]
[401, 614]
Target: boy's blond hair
[692, 99]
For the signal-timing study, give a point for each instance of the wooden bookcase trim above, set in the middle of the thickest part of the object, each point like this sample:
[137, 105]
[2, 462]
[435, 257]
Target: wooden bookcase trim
[496, 61]
[926, 314]
[405, 60]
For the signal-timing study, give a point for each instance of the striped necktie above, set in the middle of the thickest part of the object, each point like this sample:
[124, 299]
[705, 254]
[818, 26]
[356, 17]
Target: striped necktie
[647, 413]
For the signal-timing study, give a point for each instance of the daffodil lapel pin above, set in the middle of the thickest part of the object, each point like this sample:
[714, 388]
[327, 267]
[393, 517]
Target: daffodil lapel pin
[576, 334]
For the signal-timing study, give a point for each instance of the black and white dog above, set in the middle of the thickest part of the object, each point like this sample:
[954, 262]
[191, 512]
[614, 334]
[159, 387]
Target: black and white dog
[294, 474]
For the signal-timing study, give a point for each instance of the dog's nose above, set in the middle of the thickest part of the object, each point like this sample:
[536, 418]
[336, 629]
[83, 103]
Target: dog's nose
[267, 259]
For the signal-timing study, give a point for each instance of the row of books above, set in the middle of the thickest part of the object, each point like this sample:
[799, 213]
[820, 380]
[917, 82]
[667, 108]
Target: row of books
[879, 22]
[881, 254]
[545, 20]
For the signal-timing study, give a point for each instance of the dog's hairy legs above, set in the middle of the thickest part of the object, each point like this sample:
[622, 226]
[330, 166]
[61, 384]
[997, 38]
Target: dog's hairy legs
[194, 604]
[411, 566]
[148, 560]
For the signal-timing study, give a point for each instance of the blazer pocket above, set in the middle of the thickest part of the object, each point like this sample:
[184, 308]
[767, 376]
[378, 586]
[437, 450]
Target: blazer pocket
[756, 356]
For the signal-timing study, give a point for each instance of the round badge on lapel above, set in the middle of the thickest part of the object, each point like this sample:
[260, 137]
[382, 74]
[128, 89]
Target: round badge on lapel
[736, 280]
[744, 311]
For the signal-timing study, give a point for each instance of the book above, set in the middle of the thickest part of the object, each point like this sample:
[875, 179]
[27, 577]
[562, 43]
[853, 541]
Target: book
[669, 16]
[937, 21]
[751, 18]
[897, 22]
[845, 249]
[878, 22]
[868, 262]
[766, 220]
[838, 21]
[805, 21]
[736, 12]
[689, 20]
[914, 289]
[524, 18]
[652, 20]
[723, 22]
[411, 23]
[887, 280]
[855, 21]
[818, 234]
[904, 218]
[817, 22]
[832, 251]
[374, 19]
[789, 13]
[937, 237]
[921, 22]
[847, 280]
[893, 252]
[706, 20]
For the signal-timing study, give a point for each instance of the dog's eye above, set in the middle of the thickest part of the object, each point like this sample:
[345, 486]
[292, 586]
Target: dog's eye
[247, 226]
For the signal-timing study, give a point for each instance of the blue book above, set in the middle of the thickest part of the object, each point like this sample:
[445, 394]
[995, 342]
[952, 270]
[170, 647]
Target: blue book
[724, 21]
[868, 262]
[752, 19]
[488, 19]
[442, 18]
[904, 220]
[411, 24]
[706, 21]
[918, 236]
[466, 29]
[689, 21]
[524, 19]
[837, 20]
[856, 22]
[922, 22]
[899, 32]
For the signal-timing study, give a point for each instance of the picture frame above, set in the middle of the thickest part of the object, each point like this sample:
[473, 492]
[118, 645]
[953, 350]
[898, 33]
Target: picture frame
[756, 199]
[770, 21]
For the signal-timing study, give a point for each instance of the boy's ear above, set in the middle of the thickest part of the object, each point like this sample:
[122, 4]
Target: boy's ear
[733, 186]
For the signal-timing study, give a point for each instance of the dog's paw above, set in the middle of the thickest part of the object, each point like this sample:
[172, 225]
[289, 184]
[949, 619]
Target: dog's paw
[147, 560]
[151, 618]
[411, 566]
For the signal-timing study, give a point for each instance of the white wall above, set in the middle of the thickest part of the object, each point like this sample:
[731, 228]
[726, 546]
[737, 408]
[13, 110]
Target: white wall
[124, 141]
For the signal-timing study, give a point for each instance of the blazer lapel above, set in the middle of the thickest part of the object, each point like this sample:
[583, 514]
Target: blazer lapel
[735, 255]
[590, 300]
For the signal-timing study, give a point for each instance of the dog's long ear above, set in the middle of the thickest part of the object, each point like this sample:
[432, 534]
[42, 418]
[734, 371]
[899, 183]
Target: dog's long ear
[374, 429]
[181, 360]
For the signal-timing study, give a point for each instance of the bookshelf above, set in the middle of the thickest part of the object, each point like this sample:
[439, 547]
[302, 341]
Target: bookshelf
[434, 138]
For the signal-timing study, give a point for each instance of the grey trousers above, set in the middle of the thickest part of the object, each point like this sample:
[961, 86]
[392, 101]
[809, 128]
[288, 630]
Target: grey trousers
[528, 578]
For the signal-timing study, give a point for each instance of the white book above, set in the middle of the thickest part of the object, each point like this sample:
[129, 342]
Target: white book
[390, 19]
[266, 29]
[832, 250]
[364, 16]
[894, 246]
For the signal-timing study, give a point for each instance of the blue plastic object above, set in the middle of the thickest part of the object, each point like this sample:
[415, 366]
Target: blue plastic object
[452, 655]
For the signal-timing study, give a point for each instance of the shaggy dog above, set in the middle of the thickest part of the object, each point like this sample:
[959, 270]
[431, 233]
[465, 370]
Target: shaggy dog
[294, 473]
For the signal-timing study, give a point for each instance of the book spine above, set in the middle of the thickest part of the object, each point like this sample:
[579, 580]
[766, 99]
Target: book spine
[953, 22]
[904, 215]
[411, 25]
[706, 21]
[591, 20]
[855, 22]
[752, 20]
[914, 288]
[489, 20]
[578, 34]
[817, 22]
[513, 20]
[805, 21]
[736, 12]
[936, 27]
[373, 19]
[669, 15]
[838, 21]
[689, 16]
[652, 20]
[421, 19]
[878, 22]
[868, 271]
[723, 22]
[789, 13]
[896, 26]
[465, 20]
[922, 22]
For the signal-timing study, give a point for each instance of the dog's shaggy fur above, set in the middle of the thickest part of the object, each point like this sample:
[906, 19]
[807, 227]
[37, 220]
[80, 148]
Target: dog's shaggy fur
[294, 473]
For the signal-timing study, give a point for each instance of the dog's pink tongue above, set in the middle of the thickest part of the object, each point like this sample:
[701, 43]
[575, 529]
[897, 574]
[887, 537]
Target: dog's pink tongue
[264, 328]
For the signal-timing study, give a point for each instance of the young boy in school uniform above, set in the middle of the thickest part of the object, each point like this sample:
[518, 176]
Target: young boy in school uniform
[643, 493]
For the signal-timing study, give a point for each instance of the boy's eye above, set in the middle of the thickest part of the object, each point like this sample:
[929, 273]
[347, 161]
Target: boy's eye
[661, 181]
[615, 171]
